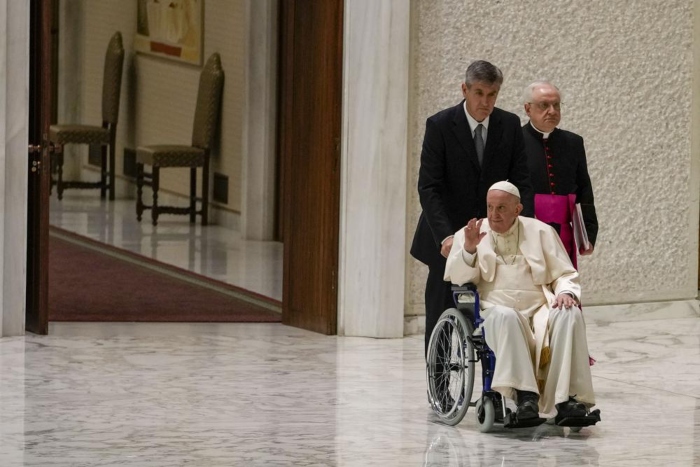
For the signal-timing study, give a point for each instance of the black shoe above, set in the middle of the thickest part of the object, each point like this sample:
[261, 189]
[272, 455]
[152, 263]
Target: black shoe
[528, 405]
[574, 414]
[570, 408]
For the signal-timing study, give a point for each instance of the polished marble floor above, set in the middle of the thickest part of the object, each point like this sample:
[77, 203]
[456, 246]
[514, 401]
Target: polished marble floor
[213, 251]
[153, 394]
[109, 394]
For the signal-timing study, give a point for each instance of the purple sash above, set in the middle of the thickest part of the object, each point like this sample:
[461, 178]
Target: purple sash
[559, 209]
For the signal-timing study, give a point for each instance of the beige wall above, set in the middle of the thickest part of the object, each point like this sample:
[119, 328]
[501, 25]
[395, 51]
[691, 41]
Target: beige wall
[158, 95]
[625, 69]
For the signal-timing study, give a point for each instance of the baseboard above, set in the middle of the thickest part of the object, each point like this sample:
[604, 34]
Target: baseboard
[413, 324]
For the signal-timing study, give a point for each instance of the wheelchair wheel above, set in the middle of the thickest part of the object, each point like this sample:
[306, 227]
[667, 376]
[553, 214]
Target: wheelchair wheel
[450, 367]
[485, 414]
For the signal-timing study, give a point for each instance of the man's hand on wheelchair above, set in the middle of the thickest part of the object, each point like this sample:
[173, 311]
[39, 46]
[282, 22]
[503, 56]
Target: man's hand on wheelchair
[446, 246]
[473, 235]
[564, 300]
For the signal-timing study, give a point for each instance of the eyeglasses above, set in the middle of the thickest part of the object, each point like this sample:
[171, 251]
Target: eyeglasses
[543, 106]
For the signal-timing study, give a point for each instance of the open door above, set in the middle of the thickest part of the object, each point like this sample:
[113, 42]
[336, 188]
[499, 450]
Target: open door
[40, 110]
[311, 100]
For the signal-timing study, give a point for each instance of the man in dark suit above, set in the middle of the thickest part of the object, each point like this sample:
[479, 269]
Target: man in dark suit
[557, 158]
[466, 149]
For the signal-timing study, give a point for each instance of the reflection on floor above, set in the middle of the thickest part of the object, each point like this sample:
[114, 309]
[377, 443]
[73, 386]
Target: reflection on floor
[211, 251]
[209, 395]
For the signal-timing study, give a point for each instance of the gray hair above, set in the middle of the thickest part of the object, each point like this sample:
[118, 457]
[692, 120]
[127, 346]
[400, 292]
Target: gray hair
[483, 71]
[530, 89]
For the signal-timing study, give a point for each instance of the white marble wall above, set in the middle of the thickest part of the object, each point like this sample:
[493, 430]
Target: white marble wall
[626, 72]
[14, 103]
[259, 123]
[69, 103]
[373, 168]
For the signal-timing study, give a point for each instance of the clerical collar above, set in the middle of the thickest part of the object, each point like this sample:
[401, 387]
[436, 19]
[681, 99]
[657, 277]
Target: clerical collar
[544, 135]
[473, 123]
[509, 232]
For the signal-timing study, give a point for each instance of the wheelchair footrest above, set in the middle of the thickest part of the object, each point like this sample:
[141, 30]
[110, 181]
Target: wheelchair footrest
[511, 421]
[587, 420]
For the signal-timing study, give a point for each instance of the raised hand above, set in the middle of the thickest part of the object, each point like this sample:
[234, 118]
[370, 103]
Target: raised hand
[473, 235]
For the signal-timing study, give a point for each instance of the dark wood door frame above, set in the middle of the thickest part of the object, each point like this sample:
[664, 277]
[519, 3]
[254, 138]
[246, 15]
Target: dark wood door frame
[40, 112]
[311, 52]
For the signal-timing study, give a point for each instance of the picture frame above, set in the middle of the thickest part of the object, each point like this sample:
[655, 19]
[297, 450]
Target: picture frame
[172, 29]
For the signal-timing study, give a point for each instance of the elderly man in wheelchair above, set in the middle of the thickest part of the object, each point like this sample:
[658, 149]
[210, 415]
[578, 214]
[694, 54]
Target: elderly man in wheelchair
[525, 316]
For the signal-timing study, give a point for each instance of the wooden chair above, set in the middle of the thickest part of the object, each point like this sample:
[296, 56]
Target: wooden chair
[104, 136]
[206, 117]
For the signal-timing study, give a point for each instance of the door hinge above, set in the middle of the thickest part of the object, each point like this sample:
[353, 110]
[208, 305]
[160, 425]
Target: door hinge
[36, 166]
[37, 148]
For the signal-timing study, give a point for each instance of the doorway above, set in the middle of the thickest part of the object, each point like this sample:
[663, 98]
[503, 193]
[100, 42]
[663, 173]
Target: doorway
[318, 314]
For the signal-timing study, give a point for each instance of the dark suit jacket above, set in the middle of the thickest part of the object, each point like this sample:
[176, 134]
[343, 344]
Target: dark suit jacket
[569, 170]
[451, 184]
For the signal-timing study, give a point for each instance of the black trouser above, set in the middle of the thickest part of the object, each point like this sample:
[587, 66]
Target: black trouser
[438, 298]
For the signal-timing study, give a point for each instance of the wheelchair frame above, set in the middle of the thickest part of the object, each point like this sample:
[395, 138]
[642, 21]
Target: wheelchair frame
[456, 345]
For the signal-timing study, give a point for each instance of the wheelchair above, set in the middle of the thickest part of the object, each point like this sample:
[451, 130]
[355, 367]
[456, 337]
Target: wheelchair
[456, 346]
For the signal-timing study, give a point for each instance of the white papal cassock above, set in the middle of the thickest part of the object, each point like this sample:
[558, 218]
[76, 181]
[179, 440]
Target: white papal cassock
[518, 274]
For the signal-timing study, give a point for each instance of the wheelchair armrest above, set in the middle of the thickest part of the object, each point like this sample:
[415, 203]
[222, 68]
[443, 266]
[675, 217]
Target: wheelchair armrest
[468, 287]
[466, 299]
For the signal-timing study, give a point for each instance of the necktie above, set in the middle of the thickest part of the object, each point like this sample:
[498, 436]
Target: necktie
[479, 143]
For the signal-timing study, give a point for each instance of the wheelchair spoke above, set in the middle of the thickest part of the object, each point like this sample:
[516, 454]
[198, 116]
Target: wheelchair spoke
[450, 366]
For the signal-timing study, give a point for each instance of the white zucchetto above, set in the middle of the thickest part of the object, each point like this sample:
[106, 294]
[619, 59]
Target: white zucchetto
[507, 187]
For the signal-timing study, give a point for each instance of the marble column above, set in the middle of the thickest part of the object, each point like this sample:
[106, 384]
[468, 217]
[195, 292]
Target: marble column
[14, 104]
[259, 124]
[373, 168]
[69, 98]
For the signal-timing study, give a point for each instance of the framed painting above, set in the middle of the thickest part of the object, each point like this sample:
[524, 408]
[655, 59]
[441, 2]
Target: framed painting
[171, 29]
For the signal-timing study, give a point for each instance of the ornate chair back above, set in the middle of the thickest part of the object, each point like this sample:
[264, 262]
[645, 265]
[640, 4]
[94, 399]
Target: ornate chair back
[206, 116]
[112, 79]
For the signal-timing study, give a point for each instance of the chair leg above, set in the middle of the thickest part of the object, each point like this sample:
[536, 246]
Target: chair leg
[205, 191]
[103, 171]
[54, 156]
[193, 195]
[139, 191]
[155, 182]
[112, 157]
[59, 175]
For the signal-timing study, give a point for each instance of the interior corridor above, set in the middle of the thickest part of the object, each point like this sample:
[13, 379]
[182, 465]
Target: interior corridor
[212, 251]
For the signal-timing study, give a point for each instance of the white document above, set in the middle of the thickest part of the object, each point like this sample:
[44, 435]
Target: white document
[580, 234]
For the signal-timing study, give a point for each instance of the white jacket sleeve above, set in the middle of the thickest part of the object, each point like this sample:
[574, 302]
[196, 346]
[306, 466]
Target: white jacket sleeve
[458, 269]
